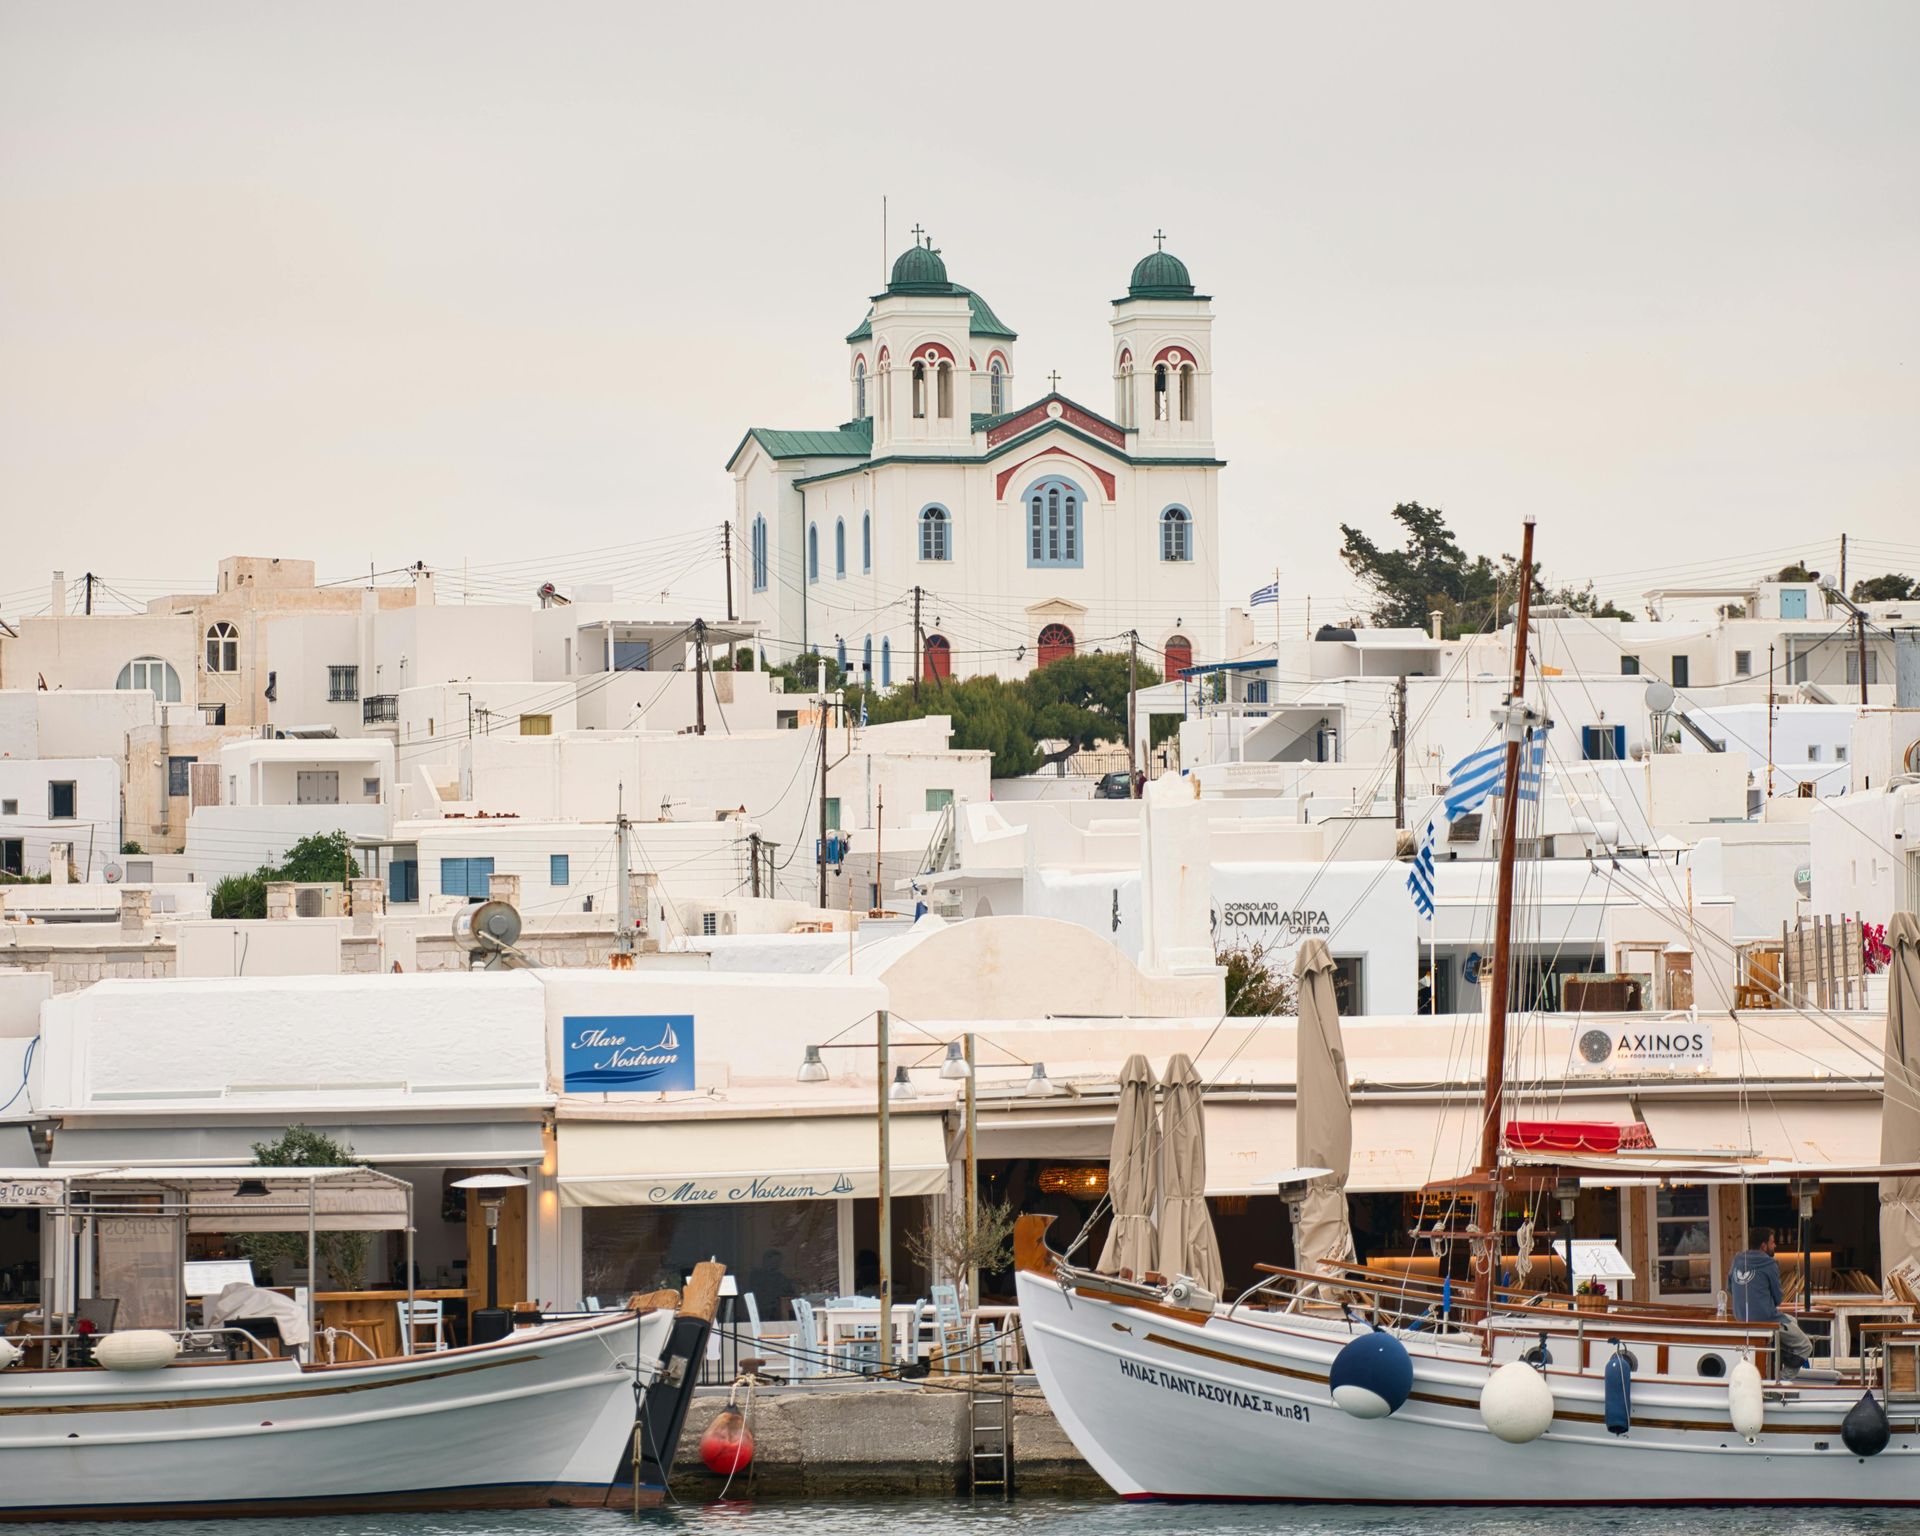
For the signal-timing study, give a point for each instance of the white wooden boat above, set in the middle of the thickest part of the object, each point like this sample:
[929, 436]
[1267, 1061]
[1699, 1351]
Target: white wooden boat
[542, 1416]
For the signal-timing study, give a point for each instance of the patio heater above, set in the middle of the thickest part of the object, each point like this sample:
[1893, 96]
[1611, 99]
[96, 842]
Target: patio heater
[492, 1321]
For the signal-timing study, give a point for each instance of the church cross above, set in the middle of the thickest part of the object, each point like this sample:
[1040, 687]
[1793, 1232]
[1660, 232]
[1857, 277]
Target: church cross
[1054, 379]
[1159, 239]
[917, 233]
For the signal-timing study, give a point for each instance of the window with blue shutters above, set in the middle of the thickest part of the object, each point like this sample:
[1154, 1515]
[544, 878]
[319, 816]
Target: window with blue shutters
[559, 869]
[1053, 523]
[465, 877]
[403, 880]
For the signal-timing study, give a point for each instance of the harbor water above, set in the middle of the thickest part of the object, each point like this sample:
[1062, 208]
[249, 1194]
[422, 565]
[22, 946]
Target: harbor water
[1034, 1517]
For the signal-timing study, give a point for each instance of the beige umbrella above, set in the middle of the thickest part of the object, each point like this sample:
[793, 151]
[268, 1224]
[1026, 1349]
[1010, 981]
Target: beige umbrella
[1187, 1244]
[1133, 1174]
[1322, 1117]
[1900, 1101]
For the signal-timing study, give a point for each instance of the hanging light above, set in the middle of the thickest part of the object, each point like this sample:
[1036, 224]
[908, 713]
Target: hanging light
[955, 1066]
[902, 1085]
[813, 1069]
[1037, 1085]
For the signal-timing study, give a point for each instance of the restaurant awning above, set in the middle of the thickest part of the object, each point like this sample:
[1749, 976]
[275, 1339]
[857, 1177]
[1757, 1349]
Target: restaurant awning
[427, 1144]
[723, 1162]
[1837, 1132]
[1085, 1136]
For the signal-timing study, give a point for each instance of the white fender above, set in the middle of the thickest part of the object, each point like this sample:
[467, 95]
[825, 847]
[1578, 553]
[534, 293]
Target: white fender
[138, 1349]
[1516, 1403]
[1746, 1400]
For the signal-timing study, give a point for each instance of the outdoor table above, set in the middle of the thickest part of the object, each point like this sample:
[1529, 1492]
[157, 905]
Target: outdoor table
[372, 1317]
[1849, 1311]
[840, 1326]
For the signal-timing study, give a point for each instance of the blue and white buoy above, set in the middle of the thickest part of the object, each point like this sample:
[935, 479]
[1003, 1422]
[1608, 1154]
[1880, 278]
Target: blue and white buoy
[1372, 1376]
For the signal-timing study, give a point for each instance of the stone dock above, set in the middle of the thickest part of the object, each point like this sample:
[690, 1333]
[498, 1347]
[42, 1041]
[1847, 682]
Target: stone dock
[866, 1438]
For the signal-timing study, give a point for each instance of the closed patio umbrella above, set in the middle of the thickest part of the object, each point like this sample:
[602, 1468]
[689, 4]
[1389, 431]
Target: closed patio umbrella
[1187, 1243]
[1322, 1117]
[1900, 1099]
[1133, 1174]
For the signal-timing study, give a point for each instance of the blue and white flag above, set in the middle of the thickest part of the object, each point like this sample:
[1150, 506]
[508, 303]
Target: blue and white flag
[863, 709]
[1270, 593]
[1482, 774]
[1420, 881]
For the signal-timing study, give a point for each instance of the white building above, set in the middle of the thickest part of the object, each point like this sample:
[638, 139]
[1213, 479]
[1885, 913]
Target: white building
[1025, 530]
[272, 793]
[62, 811]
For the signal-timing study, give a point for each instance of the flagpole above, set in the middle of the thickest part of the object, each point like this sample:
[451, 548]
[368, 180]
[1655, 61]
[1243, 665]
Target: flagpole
[1276, 612]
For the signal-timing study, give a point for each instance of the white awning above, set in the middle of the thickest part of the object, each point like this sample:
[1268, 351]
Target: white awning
[385, 1144]
[1396, 1147]
[1835, 1132]
[722, 1162]
[1084, 1136]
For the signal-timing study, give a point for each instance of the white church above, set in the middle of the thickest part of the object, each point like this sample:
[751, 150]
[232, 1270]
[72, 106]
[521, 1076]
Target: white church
[1024, 530]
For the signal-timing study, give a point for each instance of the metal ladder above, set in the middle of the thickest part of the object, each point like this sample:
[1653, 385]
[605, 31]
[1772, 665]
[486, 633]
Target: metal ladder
[989, 1441]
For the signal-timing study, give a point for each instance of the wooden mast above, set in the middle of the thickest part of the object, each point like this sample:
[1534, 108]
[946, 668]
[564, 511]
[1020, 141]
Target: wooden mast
[1496, 1081]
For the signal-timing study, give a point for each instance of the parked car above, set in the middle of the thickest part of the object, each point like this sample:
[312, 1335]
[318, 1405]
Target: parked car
[1113, 786]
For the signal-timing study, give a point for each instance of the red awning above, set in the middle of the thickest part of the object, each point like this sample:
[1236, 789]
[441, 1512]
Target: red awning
[1576, 1136]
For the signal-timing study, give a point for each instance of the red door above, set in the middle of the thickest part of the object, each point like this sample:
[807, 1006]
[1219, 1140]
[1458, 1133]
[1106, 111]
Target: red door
[1056, 643]
[939, 657]
[1179, 656]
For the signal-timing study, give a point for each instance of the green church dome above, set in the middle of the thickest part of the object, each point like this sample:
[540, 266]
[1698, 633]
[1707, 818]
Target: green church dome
[1160, 275]
[919, 270]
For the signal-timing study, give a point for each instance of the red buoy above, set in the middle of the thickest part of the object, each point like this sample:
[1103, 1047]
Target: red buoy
[727, 1446]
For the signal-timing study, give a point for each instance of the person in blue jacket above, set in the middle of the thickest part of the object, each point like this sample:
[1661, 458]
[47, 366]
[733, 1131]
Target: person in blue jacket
[1753, 1289]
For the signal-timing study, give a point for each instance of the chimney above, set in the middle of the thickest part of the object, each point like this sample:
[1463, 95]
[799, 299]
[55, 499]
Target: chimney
[1437, 623]
[504, 888]
[423, 593]
[369, 898]
[59, 594]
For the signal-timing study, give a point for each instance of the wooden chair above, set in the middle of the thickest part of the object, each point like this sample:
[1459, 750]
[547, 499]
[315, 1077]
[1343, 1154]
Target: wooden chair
[430, 1316]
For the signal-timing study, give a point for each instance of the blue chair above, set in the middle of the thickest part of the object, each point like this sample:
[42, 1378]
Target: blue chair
[805, 1360]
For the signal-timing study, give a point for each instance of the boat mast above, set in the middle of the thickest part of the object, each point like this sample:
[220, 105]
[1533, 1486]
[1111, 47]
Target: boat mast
[1490, 1106]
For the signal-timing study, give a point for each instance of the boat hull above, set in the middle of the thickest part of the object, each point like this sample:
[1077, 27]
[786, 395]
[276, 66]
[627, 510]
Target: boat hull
[1165, 1405]
[544, 1416]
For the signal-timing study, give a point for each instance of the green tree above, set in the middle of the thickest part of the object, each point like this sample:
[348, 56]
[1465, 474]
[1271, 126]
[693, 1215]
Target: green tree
[1890, 588]
[239, 896]
[1082, 700]
[1428, 572]
[343, 1253]
[317, 856]
[1254, 989]
[1576, 599]
[1798, 571]
[130, 846]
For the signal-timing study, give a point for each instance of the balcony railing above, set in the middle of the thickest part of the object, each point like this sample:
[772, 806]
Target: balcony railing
[380, 709]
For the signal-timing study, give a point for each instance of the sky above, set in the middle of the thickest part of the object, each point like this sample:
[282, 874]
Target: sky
[500, 286]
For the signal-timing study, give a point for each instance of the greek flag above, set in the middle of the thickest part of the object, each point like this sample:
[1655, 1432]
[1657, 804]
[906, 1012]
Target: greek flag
[863, 709]
[1482, 774]
[1270, 593]
[1420, 882]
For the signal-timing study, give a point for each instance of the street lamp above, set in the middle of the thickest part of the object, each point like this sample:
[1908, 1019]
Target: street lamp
[902, 1088]
[491, 1322]
[1038, 1085]
[812, 1069]
[955, 1067]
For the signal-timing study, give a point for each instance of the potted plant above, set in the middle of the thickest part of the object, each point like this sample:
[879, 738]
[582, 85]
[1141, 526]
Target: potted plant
[1590, 1296]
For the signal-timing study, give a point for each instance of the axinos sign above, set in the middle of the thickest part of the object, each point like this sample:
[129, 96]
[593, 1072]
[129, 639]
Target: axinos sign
[1664, 1045]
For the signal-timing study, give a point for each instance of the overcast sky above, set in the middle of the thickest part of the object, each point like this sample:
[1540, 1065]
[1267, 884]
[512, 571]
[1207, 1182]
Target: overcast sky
[501, 284]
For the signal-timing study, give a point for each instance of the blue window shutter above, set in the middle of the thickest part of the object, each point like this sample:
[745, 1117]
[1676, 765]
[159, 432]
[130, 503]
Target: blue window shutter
[559, 869]
[403, 880]
[453, 877]
[479, 875]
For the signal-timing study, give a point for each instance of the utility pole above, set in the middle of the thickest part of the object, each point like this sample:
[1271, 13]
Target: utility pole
[623, 939]
[916, 645]
[700, 677]
[89, 591]
[823, 798]
[1133, 695]
[1769, 722]
[879, 844]
[1860, 639]
[1843, 567]
[885, 1234]
[1400, 753]
[726, 554]
[753, 865]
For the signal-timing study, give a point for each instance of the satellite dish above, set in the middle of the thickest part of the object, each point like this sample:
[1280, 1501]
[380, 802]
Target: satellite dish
[1659, 697]
[112, 872]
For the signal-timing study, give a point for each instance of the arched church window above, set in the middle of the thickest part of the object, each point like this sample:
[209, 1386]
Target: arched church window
[866, 663]
[886, 662]
[1053, 523]
[996, 387]
[1162, 400]
[866, 541]
[1179, 656]
[759, 554]
[1056, 644]
[943, 390]
[813, 551]
[936, 534]
[152, 674]
[1188, 388]
[859, 388]
[1176, 534]
[223, 648]
[1123, 390]
[919, 390]
[840, 655]
[839, 548]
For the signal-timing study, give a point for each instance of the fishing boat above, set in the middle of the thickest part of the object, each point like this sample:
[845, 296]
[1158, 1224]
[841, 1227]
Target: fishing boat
[1333, 1383]
[193, 1421]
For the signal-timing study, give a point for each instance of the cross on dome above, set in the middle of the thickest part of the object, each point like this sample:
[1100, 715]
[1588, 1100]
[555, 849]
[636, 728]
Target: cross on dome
[1054, 380]
[1159, 239]
[917, 233]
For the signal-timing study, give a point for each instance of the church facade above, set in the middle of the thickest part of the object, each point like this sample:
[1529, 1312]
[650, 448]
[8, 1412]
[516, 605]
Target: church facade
[1020, 530]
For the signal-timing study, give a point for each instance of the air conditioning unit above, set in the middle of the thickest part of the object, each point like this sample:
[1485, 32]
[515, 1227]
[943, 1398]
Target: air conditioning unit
[319, 900]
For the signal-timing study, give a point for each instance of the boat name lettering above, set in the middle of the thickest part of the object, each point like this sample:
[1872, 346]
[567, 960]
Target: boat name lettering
[1206, 1391]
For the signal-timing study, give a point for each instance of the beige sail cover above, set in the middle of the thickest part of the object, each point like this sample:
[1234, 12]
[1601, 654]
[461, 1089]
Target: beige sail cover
[1133, 1174]
[1187, 1244]
[1323, 1116]
[1900, 1102]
